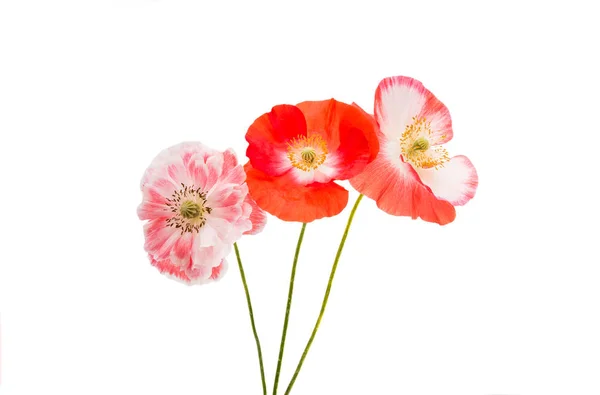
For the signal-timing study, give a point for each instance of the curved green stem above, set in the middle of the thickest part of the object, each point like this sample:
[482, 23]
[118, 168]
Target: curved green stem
[326, 297]
[287, 310]
[258, 348]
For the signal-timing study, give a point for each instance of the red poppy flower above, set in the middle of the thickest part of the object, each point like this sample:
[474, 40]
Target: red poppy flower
[297, 152]
[413, 174]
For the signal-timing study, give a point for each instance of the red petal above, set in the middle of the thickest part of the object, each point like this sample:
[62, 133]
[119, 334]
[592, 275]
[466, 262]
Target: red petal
[268, 137]
[348, 131]
[398, 191]
[284, 198]
[371, 131]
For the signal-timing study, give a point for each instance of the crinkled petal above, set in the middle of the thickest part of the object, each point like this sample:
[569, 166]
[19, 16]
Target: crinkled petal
[204, 259]
[170, 269]
[233, 173]
[159, 237]
[258, 217]
[227, 195]
[151, 210]
[214, 164]
[182, 250]
[178, 153]
[218, 271]
[284, 198]
[166, 267]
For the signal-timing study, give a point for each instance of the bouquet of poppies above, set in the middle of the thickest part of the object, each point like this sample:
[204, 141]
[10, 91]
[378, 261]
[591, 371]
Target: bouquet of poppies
[198, 202]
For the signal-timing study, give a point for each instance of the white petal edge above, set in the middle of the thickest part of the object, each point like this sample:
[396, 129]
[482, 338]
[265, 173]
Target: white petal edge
[400, 99]
[456, 182]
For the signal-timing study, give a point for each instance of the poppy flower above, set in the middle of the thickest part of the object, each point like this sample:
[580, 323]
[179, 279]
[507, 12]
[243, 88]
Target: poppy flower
[413, 175]
[197, 205]
[297, 153]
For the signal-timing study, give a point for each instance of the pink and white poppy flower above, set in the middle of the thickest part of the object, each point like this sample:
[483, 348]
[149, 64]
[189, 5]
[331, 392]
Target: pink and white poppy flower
[197, 205]
[413, 175]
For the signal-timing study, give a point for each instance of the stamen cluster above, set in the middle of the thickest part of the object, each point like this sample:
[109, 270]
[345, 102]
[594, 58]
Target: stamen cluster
[307, 152]
[189, 209]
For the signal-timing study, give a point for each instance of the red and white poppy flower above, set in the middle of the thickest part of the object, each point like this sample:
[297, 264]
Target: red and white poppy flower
[298, 152]
[413, 175]
[197, 205]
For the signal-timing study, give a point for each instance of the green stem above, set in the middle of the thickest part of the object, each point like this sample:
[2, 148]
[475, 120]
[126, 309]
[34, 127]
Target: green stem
[287, 310]
[326, 297]
[258, 348]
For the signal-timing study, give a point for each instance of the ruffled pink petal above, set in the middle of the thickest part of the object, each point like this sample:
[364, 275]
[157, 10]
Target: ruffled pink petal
[227, 195]
[180, 153]
[160, 189]
[198, 172]
[194, 258]
[214, 166]
[159, 237]
[397, 190]
[190, 276]
[204, 259]
[229, 214]
[232, 172]
[199, 274]
[456, 182]
[151, 210]
[177, 173]
[219, 271]
[399, 99]
[258, 217]
[229, 160]
[182, 250]
[167, 267]
[207, 236]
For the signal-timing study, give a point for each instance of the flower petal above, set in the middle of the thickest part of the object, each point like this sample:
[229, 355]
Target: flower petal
[233, 173]
[191, 171]
[182, 250]
[214, 165]
[396, 188]
[227, 195]
[456, 182]
[284, 198]
[399, 99]
[348, 131]
[190, 276]
[170, 269]
[372, 131]
[159, 237]
[151, 210]
[268, 137]
[204, 259]
[218, 272]
[258, 217]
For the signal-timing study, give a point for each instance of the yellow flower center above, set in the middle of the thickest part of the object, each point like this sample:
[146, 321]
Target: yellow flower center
[416, 145]
[188, 209]
[307, 152]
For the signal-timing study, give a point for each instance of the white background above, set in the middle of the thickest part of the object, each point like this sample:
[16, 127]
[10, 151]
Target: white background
[505, 300]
